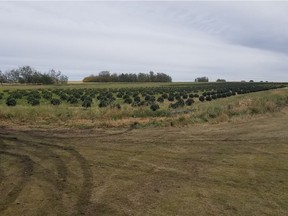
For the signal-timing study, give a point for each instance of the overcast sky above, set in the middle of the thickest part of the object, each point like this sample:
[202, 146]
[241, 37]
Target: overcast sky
[230, 40]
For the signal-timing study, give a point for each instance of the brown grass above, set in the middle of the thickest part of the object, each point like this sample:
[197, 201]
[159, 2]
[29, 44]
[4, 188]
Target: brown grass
[232, 168]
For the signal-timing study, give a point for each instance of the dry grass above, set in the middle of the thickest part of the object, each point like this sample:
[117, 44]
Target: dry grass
[232, 168]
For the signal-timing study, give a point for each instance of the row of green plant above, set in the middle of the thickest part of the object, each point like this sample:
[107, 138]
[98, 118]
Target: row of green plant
[233, 108]
[171, 96]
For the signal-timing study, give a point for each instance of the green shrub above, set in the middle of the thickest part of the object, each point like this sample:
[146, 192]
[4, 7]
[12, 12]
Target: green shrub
[55, 101]
[170, 98]
[33, 101]
[160, 99]
[201, 98]
[86, 103]
[103, 103]
[154, 107]
[11, 102]
[72, 100]
[47, 95]
[137, 99]
[189, 101]
[208, 98]
[128, 100]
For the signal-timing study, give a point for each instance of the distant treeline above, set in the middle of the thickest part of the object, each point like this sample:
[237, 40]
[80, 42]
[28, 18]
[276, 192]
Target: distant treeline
[202, 79]
[26, 74]
[105, 76]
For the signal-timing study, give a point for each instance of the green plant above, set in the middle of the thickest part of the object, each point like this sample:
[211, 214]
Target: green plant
[55, 101]
[33, 101]
[154, 107]
[86, 103]
[11, 102]
[189, 101]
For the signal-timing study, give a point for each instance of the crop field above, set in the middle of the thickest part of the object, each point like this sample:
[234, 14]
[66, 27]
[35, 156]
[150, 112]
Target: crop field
[225, 153]
[117, 105]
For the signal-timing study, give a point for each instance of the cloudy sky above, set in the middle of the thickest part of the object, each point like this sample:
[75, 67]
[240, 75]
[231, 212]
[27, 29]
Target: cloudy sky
[230, 40]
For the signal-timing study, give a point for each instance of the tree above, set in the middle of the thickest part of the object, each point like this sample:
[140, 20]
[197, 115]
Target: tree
[220, 80]
[105, 76]
[114, 77]
[45, 79]
[202, 79]
[142, 77]
[27, 74]
[151, 76]
[63, 79]
[13, 75]
[3, 78]
[57, 77]
[161, 77]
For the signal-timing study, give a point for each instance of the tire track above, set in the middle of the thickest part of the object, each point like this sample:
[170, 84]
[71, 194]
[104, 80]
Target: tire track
[58, 181]
[45, 153]
[49, 178]
[86, 191]
[40, 153]
[1, 174]
[26, 173]
[1, 170]
[61, 168]
[59, 135]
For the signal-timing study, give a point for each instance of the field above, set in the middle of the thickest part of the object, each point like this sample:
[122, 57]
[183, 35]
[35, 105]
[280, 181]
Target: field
[223, 169]
[146, 104]
[227, 157]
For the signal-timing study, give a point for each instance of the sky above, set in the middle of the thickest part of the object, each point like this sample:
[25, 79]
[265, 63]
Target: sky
[228, 40]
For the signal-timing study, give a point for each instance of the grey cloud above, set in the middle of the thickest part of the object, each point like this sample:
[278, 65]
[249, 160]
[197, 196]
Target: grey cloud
[184, 39]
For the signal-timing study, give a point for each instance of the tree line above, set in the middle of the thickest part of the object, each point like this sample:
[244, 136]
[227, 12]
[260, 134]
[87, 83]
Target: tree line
[27, 74]
[202, 79]
[206, 79]
[106, 76]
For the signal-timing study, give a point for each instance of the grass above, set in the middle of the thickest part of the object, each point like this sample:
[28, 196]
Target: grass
[221, 110]
[233, 168]
[224, 157]
[88, 85]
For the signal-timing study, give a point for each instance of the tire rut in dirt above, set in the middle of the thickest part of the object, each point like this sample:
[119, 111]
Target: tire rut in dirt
[57, 181]
[1, 174]
[86, 188]
[62, 170]
[26, 173]
[1, 170]
[44, 150]
[40, 134]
